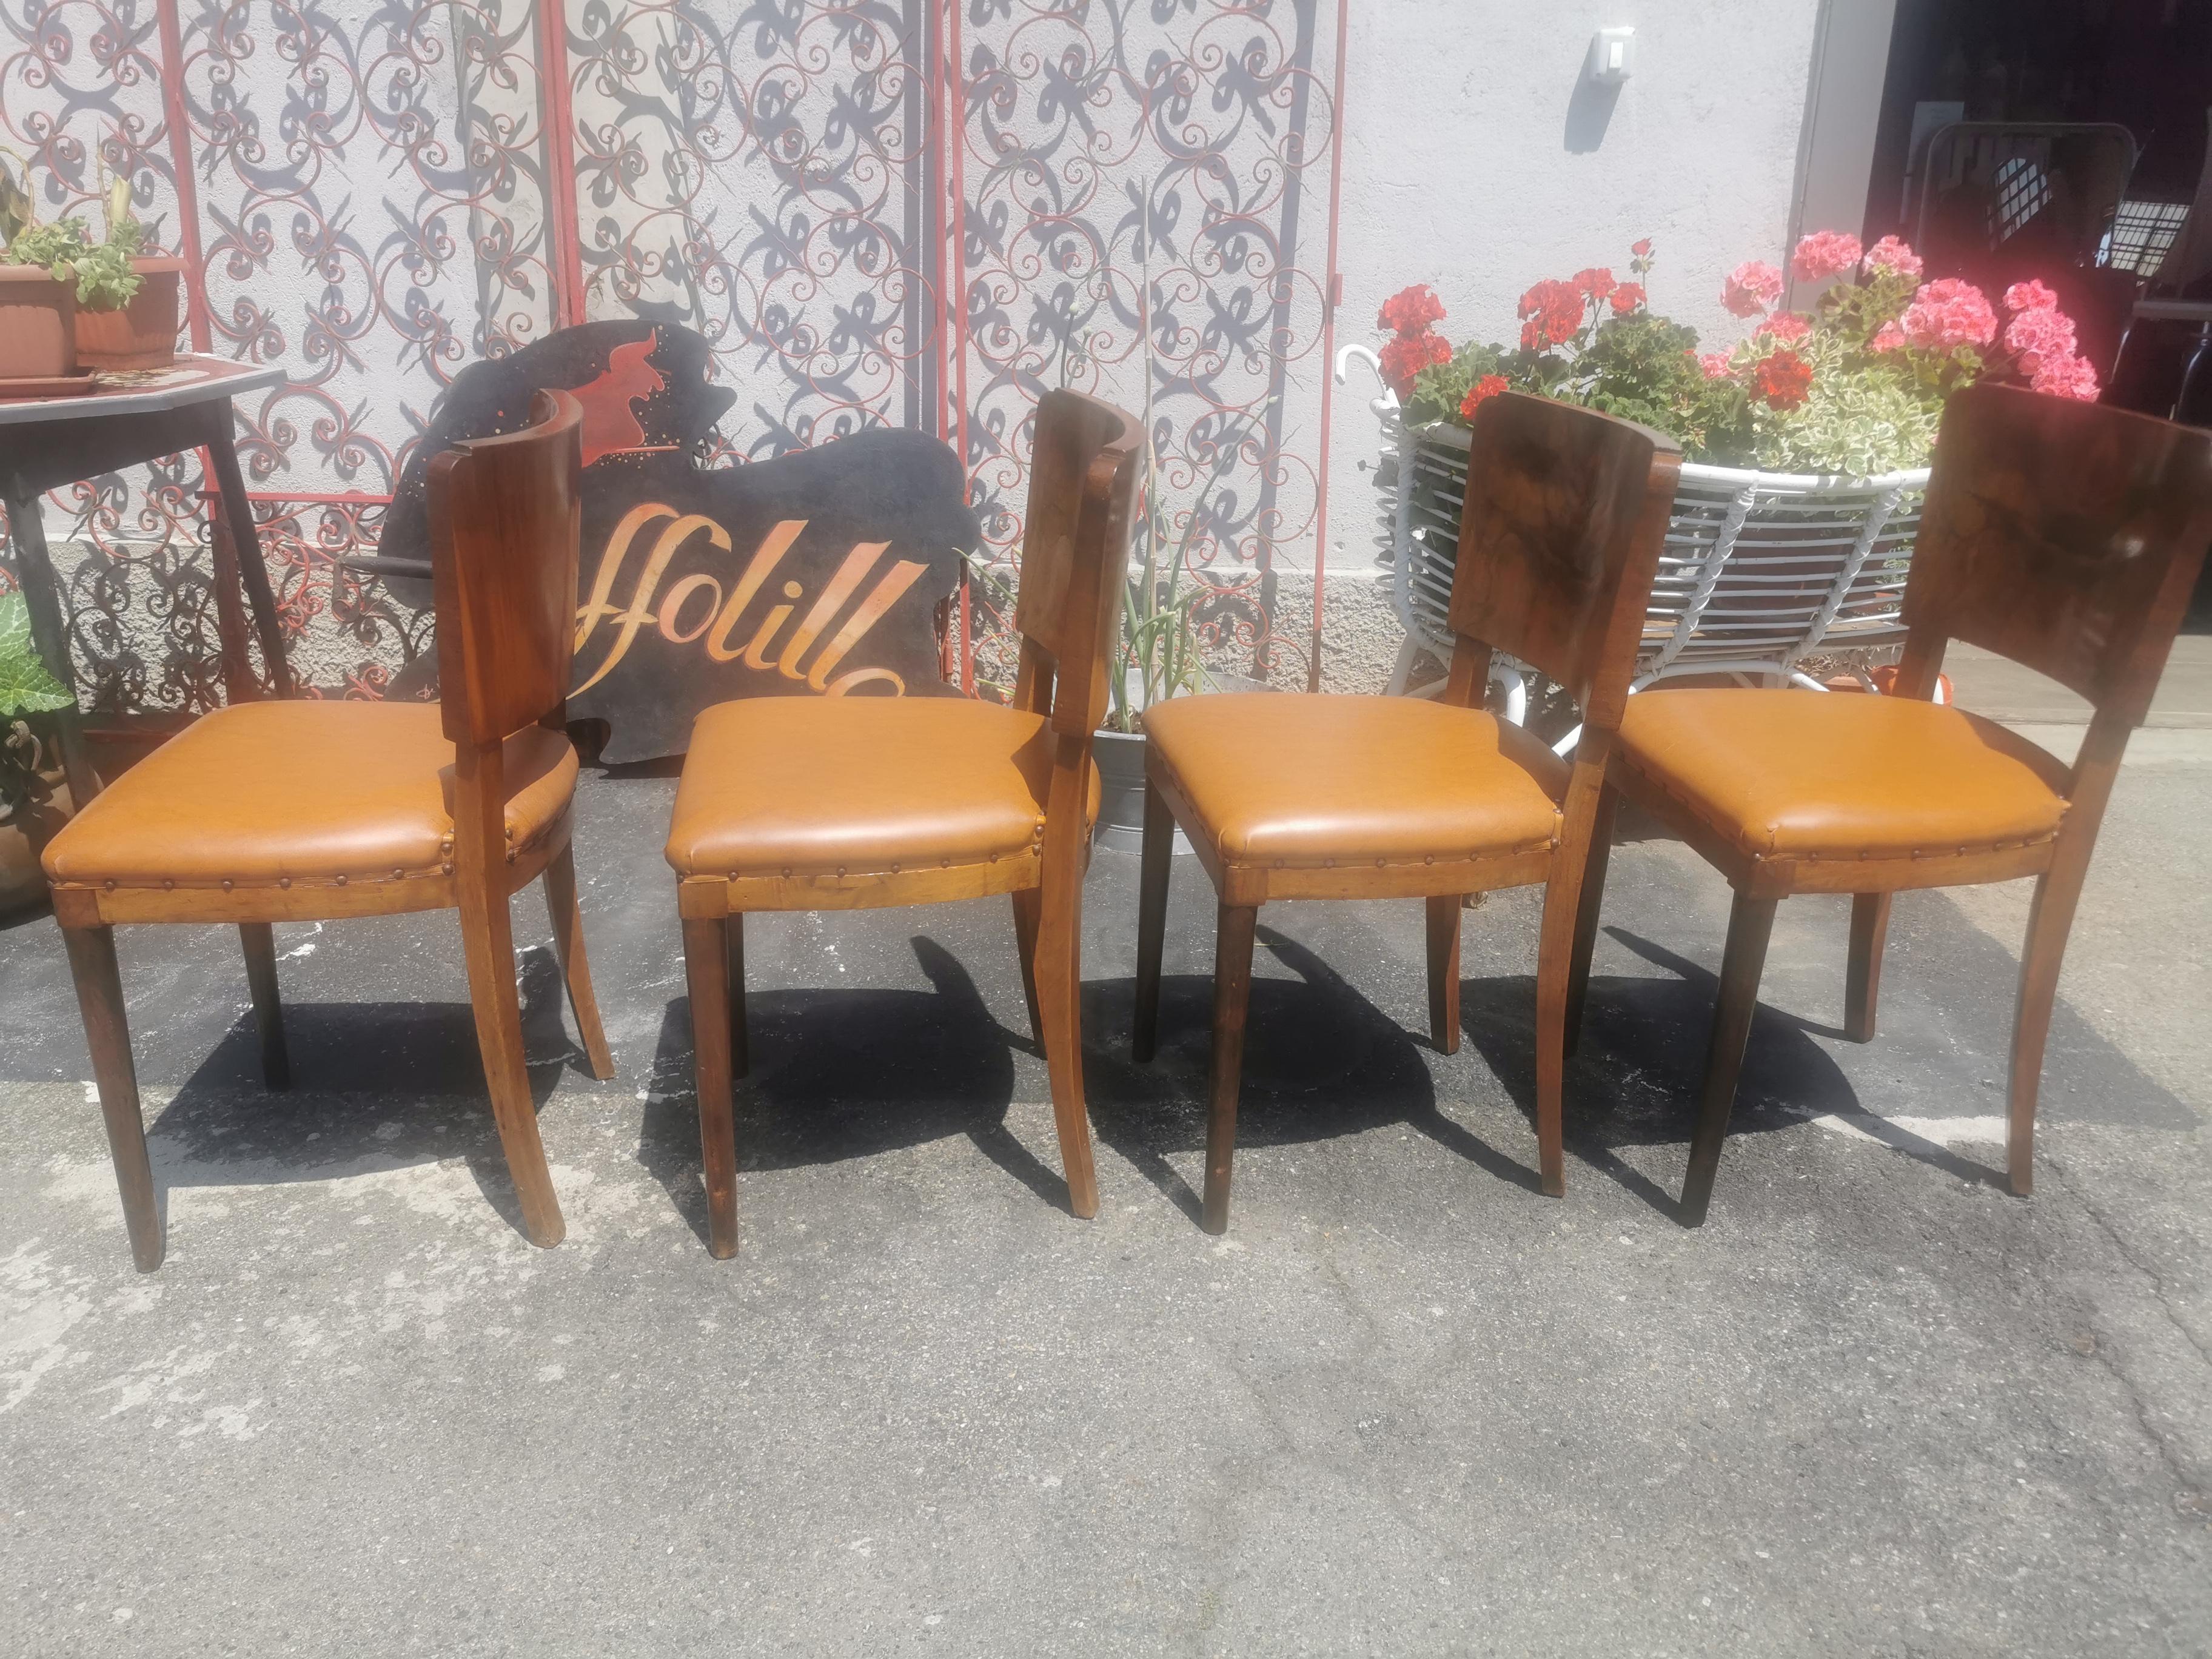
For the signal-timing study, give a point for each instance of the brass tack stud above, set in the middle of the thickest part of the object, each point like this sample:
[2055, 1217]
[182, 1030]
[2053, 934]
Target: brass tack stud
[445, 869]
[895, 869]
[840, 869]
[111, 886]
[786, 869]
[283, 881]
[226, 883]
[342, 881]
[167, 886]
[398, 875]
[1378, 864]
[1429, 859]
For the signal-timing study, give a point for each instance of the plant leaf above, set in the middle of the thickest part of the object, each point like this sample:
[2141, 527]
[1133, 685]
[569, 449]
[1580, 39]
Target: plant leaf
[26, 687]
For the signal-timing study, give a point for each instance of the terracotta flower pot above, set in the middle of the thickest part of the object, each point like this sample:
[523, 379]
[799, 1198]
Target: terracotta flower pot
[38, 330]
[24, 834]
[142, 334]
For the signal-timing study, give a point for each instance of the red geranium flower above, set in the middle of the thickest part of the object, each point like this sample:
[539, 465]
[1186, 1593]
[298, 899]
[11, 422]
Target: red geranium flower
[1483, 389]
[1552, 314]
[1410, 311]
[1408, 355]
[1784, 379]
[1597, 283]
[1641, 248]
[1627, 298]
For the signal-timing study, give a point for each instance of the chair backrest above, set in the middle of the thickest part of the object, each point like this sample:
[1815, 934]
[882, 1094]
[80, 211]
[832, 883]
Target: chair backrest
[1566, 510]
[2066, 536]
[1084, 473]
[506, 514]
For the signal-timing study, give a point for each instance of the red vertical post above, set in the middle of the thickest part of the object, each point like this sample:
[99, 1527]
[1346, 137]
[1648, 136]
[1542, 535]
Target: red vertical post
[565, 230]
[1335, 297]
[174, 117]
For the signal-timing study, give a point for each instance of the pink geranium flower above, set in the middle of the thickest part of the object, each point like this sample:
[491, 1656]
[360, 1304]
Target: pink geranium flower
[1892, 254]
[1948, 313]
[1752, 287]
[1889, 337]
[2039, 335]
[1825, 253]
[2067, 377]
[1715, 365]
[1783, 326]
[2030, 295]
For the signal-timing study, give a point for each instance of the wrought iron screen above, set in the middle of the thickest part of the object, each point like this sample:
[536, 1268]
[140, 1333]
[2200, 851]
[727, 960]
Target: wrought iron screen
[921, 213]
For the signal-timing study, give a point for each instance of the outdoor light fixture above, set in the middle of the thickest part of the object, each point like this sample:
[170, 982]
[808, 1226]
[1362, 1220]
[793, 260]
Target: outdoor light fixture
[1612, 57]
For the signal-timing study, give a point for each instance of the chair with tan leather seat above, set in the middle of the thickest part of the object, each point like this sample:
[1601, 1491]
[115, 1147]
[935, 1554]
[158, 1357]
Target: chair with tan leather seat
[2065, 535]
[311, 811]
[851, 803]
[1298, 796]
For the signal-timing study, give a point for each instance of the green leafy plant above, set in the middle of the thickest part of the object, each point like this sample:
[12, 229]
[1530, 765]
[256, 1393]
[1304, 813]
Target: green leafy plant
[26, 689]
[105, 277]
[16, 214]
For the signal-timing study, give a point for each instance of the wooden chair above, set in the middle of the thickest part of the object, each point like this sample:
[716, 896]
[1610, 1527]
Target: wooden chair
[1295, 796]
[850, 803]
[264, 812]
[2063, 535]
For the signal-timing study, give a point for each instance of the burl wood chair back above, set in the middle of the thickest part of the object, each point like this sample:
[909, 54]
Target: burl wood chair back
[318, 811]
[1084, 474]
[506, 516]
[1563, 514]
[2065, 535]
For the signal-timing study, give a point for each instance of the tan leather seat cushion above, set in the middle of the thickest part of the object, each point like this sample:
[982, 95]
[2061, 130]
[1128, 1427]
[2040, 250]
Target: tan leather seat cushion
[1294, 780]
[299, 791]
[817, 785]
[1843, 774]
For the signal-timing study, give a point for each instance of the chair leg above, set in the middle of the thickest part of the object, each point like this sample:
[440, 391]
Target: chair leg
[1588, 904]
[488, 943]
[1564, 908]
[1444, 914]
[1232, 998]
[2050, 919]
[706, 970]
[260, 939]
[1151, 922]
[1027, 905]
[1751, 923]
[108, 1035]
[1862, 983]
[569, 943]
[1059, 991]
[741, 1061]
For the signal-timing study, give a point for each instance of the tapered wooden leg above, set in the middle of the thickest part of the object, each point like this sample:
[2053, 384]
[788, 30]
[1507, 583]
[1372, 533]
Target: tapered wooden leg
[1151, 922]
[1751, 922]
[108, 1035]
[1027, 905]
[2050, 919]
[569, 945]
[1232, 998]
[1555, 956]
[740, 1042]
[1444, 915]
[1059, 990]
[1588, 902]
[706, 969]
[1863, 983]
[260, 939]
[488, 943]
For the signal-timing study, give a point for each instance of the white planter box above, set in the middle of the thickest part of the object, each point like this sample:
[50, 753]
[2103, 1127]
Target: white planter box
[1760, 570]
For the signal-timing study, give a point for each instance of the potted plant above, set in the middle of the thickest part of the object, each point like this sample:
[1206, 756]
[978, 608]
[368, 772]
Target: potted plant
[126, 304]
[1811, 435]
[34, 802]
[38, 316]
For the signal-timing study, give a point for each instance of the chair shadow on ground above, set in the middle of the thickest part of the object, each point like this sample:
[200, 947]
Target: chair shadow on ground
[840, 1074]
[1635, 1078]
[421, 1057]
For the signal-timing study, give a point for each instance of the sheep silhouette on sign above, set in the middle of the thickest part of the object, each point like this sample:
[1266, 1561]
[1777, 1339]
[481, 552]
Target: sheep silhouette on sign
[817, 573]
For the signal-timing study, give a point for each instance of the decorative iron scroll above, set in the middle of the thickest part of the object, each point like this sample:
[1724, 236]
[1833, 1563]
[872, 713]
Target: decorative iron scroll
[906, 213]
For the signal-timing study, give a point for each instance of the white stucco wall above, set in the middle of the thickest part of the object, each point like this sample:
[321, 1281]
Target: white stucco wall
[1458, 171]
